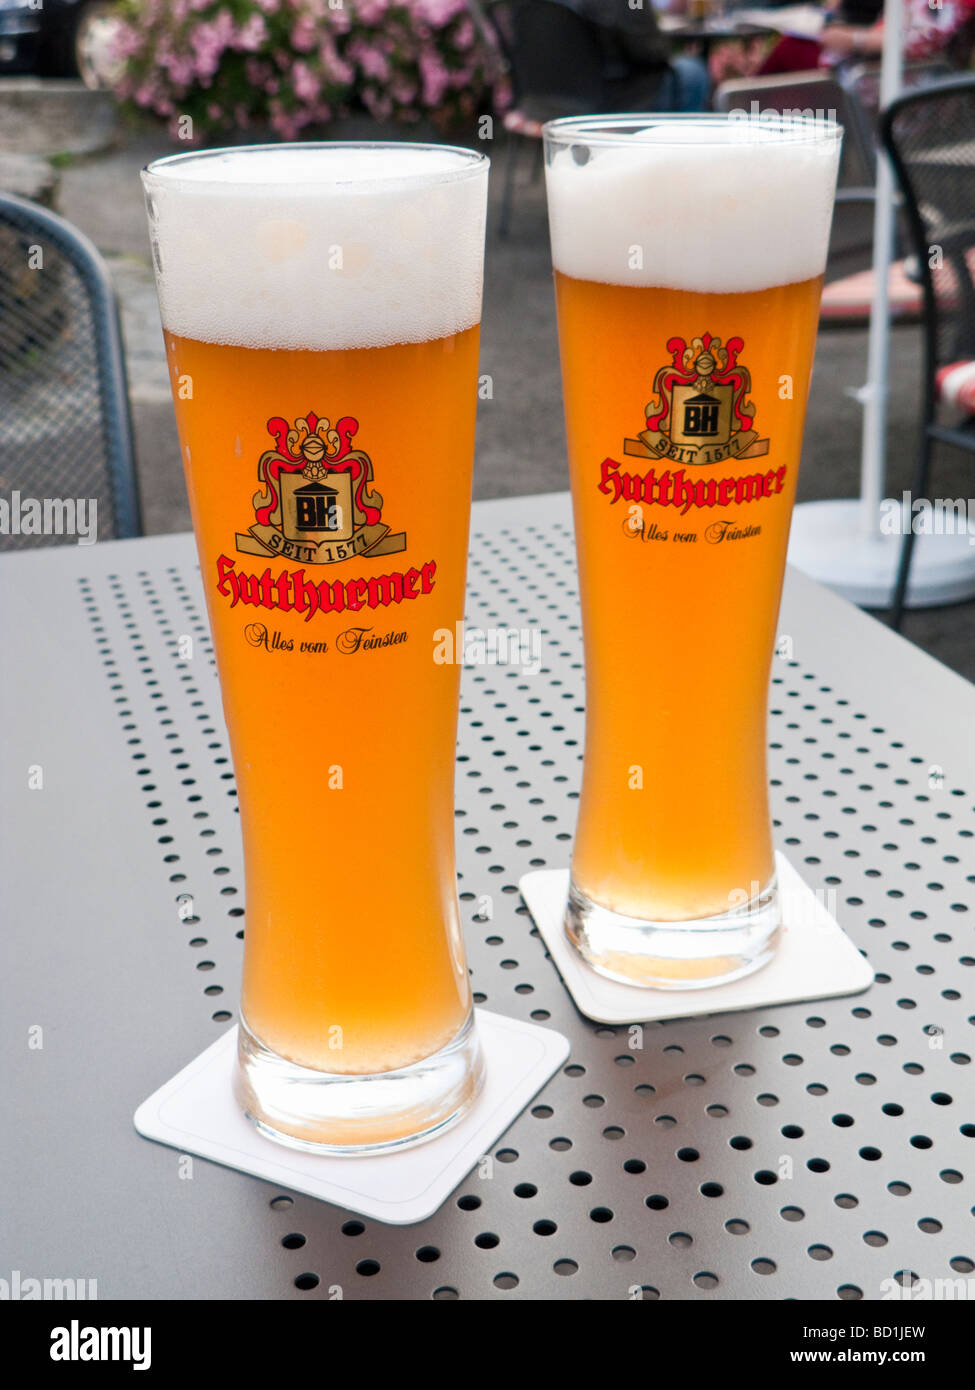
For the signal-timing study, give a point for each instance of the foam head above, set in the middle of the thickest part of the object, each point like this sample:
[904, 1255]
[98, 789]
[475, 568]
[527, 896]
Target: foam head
[710, 204]
[319, 246]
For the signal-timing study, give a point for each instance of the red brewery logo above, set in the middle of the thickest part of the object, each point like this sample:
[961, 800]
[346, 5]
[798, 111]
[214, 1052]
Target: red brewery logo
[317, 502]
[318, 505]
[700, 415]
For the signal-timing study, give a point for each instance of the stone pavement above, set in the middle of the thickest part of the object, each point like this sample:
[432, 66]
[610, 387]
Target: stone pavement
[521, 440]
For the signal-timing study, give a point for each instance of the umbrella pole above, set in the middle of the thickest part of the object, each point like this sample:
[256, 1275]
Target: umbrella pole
[875, 394]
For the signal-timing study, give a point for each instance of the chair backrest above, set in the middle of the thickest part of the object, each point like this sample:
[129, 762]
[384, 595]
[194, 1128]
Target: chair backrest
[553, 52]
[65, 429]
[816, 92]
[930, 137]
[861, 82]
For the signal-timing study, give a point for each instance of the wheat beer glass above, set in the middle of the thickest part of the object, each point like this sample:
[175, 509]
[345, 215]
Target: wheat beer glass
[689, 254]
[321, 308]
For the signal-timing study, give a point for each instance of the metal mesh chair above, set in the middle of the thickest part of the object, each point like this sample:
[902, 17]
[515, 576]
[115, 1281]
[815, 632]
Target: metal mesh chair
[930, 137]
[65, 430]
[861, 82]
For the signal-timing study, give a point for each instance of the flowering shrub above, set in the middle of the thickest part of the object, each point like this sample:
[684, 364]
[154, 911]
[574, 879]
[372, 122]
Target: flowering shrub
[290, 64]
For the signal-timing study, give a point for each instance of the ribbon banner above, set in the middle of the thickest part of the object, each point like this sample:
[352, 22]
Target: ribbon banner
[368, 540]
[652, 444]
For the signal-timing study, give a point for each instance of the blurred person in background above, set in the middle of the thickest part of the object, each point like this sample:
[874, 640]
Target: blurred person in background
[640, 72]
[854, 32]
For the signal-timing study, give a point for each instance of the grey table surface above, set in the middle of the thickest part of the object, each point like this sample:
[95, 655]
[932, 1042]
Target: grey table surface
[835, 1141]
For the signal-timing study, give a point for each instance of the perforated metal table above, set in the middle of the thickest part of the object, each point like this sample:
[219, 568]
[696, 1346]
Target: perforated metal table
[809, 1151]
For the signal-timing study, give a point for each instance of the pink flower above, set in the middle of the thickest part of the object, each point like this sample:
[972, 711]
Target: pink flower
[284, 123]
[253, 34]
[208, 40]
[126, 42]
[436, 78]
[305, 84]
[370, 12]
[402, 91]
[438, 12]
[337, 70]
[504, 93]
[304, 34]
[462, 77]
[464, 35]
[302, 61]
[180, 69]
[371, 60]
[378, 104]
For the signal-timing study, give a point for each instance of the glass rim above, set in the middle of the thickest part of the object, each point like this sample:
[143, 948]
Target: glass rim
[623, 128]
[469, 163]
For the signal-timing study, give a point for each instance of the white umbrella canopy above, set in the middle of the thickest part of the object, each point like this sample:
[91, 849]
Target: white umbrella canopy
[842, 543]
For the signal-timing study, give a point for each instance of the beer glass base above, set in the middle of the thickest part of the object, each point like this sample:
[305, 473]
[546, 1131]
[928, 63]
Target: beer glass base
[675, 955]
[335, 1113]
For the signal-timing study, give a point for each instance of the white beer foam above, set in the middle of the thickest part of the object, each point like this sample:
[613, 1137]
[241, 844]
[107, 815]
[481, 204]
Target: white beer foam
[318, 247]
[748, 209]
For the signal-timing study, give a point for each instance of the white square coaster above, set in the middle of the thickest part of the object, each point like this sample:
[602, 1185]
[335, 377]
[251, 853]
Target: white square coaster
[815, 959]
[195, 1112]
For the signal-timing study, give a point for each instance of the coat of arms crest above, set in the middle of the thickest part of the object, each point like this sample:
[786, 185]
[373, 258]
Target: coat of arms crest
[318, 503]
[700, 413]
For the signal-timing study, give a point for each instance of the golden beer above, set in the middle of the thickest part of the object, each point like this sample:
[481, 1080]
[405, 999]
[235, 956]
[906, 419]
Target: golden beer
[328, 462]
[684, 406]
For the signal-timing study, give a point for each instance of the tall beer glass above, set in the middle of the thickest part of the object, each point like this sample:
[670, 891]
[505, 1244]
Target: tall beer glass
[321, 309]
[689, 254]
